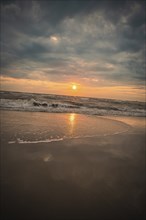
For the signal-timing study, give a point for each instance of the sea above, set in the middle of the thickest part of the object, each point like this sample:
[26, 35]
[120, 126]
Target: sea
[22, 101]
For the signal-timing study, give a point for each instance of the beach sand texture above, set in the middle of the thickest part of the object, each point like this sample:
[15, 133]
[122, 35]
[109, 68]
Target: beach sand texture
[71, 166]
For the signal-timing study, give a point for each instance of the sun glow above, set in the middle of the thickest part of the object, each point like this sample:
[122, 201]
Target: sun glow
[74, 87]
[54, 39]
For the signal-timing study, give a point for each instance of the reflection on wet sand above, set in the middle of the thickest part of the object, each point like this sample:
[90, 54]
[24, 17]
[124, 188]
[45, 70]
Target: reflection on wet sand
[137, 123]
[25, 128]
[102, 177]
[72, 118]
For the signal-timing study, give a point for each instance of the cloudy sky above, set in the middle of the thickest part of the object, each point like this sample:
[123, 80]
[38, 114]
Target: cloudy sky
[47, 46]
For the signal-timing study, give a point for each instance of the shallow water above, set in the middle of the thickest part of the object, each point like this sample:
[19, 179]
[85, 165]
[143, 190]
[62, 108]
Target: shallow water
[28, 127]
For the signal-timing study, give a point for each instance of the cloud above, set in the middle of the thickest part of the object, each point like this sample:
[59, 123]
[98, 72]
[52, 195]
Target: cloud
[102, 41]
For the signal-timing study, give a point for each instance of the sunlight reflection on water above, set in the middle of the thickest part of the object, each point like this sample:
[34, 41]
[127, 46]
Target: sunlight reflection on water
[72, 120]
[28, 127]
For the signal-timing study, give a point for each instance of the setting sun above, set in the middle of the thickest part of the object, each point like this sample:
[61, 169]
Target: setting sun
[74, 87]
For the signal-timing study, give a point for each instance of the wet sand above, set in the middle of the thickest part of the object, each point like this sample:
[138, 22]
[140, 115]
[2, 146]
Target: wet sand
[97, 177]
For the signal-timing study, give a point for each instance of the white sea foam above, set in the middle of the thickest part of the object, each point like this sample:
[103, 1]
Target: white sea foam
[21, 141]
[11, 142]
[56, 103]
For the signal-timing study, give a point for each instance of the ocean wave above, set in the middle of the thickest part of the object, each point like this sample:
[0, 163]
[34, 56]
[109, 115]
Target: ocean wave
[68, 104]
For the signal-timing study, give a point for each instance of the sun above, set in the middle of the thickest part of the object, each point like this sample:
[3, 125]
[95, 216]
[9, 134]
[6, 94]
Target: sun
[74, 87]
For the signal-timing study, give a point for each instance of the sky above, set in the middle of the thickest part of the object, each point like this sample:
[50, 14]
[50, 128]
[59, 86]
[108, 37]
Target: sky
[99, 46]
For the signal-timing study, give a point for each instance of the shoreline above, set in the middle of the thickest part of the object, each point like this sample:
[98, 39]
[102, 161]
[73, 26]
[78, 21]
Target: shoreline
[74, 126]
[82, 178]
[78, 111]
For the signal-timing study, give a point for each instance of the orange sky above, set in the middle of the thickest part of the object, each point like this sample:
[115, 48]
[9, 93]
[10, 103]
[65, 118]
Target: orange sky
[41, 86]
[46, 46]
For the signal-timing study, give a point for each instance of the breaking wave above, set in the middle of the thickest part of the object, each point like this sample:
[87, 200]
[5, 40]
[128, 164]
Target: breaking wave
[67, 104]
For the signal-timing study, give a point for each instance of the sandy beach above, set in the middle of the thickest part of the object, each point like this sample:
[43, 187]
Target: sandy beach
[73, 110]
[69, 166]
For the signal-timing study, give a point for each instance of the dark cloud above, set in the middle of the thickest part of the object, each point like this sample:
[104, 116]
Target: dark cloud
[88, 39]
